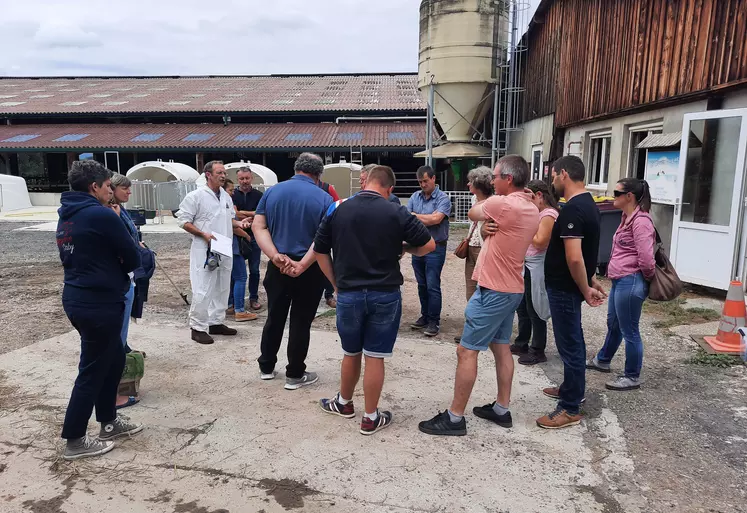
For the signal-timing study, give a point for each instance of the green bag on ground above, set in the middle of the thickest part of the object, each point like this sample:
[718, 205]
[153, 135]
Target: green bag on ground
[133, 371]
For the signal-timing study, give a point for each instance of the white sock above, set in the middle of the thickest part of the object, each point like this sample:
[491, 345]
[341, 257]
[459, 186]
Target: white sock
[499, 409]
[373, 415]
[454, 418]
[341, 400]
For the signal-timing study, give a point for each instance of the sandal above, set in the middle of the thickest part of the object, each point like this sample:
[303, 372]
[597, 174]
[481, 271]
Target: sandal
[131, 401]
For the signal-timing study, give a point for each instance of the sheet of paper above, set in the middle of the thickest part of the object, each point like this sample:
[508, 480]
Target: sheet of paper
[222, 245]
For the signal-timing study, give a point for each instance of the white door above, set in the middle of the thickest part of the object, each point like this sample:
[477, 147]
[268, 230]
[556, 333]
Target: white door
[706, 235]
[111, 160]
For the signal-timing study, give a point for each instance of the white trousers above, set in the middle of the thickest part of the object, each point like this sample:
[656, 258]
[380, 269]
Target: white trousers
[209, 292]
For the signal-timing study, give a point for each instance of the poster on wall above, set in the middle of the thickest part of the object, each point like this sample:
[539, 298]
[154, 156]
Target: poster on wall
[661, 174]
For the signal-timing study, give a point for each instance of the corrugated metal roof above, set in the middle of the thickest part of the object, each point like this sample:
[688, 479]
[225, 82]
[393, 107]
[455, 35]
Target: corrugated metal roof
[667, 141]
[330, 93]
[204, 136]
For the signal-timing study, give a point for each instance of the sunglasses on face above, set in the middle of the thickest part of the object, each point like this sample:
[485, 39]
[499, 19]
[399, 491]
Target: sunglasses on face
[619, 193]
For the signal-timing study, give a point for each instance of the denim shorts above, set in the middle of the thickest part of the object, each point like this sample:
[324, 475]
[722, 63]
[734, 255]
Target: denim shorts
[489, 318]
[368, 321]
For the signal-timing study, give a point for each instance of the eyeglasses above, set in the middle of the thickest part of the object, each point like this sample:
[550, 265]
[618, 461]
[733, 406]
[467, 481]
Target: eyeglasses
[619, 193]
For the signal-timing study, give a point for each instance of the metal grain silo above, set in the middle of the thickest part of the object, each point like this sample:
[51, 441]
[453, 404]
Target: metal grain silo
[463, 45]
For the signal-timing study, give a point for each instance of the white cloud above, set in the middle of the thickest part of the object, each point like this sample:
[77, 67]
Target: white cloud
[194, 37]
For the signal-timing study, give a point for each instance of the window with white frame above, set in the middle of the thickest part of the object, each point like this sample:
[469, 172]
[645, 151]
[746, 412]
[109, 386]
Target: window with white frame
[536, 162]
[599, 159]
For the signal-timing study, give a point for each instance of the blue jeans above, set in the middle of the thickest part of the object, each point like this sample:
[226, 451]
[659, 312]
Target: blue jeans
[565, 309]
[623, 313]
[238, 283]
[129, 299]
[489, 318]
[368, 321]
[254, 271]
[427, 271]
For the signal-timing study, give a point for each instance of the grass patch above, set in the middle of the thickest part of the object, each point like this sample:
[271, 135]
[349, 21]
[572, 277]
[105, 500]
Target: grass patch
[714, 360]
[673, 313]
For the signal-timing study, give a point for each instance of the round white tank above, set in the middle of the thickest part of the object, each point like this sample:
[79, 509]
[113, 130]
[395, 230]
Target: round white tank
[462, 45]
[159, 171]
[342, 176]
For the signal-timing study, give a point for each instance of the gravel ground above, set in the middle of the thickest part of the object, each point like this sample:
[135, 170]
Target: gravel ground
[686, 429]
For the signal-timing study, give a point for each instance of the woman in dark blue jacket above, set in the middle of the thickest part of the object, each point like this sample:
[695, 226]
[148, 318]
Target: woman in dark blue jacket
[97, 254]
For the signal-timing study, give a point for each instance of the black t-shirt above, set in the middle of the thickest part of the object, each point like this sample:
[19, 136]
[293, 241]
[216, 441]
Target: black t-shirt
[247, 202]
[578, 219]
[365, 234]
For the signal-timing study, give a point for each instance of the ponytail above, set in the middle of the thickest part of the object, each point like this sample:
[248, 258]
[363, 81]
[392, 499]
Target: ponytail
[640, 190]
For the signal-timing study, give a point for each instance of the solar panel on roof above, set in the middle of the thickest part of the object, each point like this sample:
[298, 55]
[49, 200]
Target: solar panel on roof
[146, 138]
[298, 137]
[350, 136]
[198, 137]
[400, 135]
[248, 137]
[71, 137]
[20, 138]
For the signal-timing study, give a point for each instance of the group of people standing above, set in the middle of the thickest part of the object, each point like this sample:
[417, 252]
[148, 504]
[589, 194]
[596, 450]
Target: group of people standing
[525, 255]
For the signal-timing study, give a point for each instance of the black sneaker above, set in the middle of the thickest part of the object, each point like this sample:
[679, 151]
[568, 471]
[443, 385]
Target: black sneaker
[432, 330]
[532, 358]
[519, 349]
[487, 412]
[441, 424]
[419, 324]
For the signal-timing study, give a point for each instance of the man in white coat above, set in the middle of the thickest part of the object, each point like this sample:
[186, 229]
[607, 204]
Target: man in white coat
[203, 213]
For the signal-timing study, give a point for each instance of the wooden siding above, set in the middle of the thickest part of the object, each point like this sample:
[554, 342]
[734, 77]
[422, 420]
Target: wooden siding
[592, 58]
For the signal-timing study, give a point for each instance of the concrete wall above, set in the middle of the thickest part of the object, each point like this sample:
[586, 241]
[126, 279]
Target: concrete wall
[45, 199]
[536, 132]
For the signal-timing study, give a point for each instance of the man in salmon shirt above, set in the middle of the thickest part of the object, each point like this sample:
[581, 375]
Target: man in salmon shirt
[500, 284]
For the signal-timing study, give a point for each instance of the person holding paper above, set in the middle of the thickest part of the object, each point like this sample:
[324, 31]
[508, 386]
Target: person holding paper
[208, 215]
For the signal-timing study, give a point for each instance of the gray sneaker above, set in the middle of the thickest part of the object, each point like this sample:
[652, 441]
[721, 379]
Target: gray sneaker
[622, 383]
[308, 378]
[596, 365]
[119, 427]
[85, 448]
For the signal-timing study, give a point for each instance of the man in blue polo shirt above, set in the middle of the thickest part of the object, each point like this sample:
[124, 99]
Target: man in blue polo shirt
[433, 207]
[285, 223]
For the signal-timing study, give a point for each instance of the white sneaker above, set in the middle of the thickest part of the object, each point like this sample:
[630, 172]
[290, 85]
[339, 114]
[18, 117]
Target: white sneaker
[308, 378]
[267, 376]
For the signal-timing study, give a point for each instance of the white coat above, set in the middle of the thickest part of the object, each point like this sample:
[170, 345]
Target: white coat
[210, 289]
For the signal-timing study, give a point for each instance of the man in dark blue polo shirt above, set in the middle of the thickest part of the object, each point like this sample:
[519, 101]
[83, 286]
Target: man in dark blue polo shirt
[285, 223]
[246, 199]
[366, 234]
[433, 207]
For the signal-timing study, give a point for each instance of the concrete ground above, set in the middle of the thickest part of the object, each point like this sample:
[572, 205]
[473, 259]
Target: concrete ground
[218, 439]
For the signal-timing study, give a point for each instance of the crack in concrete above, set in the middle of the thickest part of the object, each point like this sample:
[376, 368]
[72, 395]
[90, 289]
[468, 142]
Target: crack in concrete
[194, 433]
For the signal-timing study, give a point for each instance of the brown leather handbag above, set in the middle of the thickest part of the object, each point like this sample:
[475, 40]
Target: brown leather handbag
[666, 285]
[462, 249]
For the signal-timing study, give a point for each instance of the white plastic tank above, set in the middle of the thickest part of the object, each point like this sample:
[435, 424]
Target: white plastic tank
[263, 176]
[14, 195]
[159, 171]
[343, 176]
[462, 45]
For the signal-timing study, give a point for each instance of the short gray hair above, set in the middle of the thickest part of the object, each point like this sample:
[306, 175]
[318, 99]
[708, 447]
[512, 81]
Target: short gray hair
[83, 173]
[309, 163]
[119, 180]
[244, 169]
[482, 179]
[367, 168]
[516, 167]
[209, 166]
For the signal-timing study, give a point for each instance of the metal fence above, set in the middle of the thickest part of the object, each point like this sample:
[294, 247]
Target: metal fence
[159, 198]
[461, 202]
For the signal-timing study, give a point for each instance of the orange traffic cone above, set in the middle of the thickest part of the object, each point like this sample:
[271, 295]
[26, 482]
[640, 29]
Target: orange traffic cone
[728, 339]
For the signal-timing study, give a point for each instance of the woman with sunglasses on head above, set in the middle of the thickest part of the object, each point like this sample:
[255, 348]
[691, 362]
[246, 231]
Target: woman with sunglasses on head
[631, 268]
[534, 309]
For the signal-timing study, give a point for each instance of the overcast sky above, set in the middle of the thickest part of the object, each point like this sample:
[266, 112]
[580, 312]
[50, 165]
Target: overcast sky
[203, 37]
